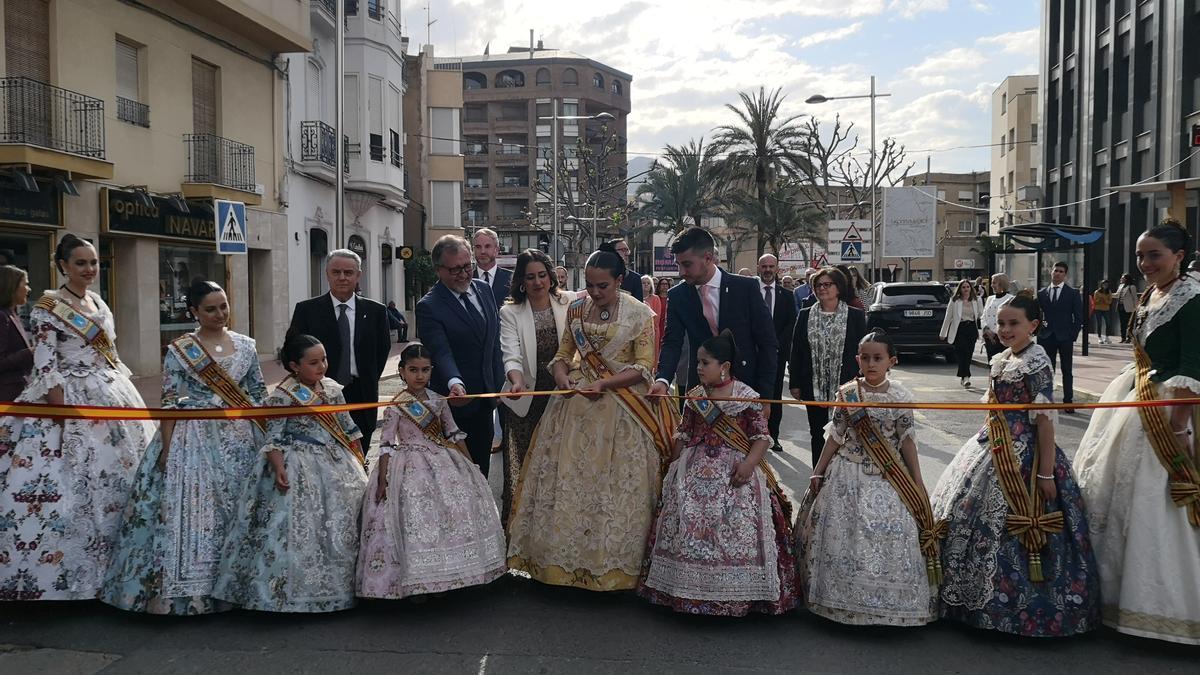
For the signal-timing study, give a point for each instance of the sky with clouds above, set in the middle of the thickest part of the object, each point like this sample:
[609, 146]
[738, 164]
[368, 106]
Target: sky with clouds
[939, 59]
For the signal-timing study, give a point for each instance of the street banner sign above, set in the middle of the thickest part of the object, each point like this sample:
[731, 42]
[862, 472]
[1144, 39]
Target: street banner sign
[849, 242]
[909, 222]
[230, 227]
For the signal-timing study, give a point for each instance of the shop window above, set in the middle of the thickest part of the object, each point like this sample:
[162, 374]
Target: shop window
[178, 267]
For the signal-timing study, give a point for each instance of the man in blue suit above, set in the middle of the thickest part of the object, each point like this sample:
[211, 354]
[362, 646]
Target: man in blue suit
[729, 301]
[498, 279]
[1062, 319]
[457, 320]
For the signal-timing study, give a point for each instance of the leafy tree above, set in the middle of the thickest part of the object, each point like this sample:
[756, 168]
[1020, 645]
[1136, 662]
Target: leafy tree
[785, 218]
[684, 188]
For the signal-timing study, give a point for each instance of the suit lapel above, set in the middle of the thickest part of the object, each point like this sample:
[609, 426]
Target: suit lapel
[451, 299]
[721, 300]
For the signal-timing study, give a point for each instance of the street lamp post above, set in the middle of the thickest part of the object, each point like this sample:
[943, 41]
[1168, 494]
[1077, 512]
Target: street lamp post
[554, 118]
[876, 245]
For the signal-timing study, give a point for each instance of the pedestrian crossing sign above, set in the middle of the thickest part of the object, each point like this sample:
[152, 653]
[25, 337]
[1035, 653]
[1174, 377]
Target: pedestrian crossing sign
[851, 251]
[230, 227]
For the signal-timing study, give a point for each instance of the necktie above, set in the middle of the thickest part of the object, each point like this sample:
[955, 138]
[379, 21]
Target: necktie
[487, 278]
[769, 298]
[475, 315]
[710, 312]
[343, 377]
[1054, 298]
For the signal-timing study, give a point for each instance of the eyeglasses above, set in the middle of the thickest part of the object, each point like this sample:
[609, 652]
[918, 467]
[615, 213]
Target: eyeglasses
[458, 271]
[820, 285]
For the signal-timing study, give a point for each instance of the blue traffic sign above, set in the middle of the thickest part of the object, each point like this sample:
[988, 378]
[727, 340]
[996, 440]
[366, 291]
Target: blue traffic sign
[851, 251]
[231, 227]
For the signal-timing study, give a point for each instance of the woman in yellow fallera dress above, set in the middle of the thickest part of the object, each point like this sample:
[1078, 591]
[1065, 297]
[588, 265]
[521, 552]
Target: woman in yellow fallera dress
[585, 501]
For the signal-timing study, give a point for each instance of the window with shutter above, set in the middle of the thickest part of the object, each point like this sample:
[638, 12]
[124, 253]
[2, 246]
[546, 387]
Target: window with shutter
[27, 39]
[313, 97]
[127, 71]
[204, 97]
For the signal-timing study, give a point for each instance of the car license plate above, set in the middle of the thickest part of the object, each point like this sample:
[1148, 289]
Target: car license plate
[918, 312]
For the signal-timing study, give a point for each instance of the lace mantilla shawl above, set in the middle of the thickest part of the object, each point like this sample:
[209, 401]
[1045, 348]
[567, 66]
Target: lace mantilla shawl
[1009, 367]
[1157, 313]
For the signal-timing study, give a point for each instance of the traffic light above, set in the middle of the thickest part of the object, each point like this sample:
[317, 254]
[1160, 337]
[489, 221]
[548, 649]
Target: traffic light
[1196, 135]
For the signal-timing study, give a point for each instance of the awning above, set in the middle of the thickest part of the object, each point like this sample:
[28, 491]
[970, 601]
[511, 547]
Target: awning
[1044, 236]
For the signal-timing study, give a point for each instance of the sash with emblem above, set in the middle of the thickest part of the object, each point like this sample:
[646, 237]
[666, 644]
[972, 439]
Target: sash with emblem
[1183, 479]
[735, 436]
[207, 370]
[302, 395]
[424, 417]
[89, 330]
[896, 474]
[656, 415]
[1027, 519]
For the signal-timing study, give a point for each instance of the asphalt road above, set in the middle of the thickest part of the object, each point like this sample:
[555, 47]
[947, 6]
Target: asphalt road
[517, 626]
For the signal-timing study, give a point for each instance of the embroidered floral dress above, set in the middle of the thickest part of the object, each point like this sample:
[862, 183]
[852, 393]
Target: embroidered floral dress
[176, 520]
[1149, 553]
[717, 549]
[63, 485]
[586, 498]
[438, 528]
[858, 544]
[986, 580]
[296, 551]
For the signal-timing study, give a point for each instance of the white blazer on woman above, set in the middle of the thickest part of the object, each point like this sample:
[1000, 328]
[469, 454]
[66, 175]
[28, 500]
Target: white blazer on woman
[518, 338]
[954, 313]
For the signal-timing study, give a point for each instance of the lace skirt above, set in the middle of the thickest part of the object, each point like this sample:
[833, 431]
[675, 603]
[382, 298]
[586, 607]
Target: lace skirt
[861, 560]
[1148, 552]
[986, 570]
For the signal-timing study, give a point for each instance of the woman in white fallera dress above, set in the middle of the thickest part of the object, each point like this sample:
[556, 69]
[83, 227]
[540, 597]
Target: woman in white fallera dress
[1145, 531]
[63, 484]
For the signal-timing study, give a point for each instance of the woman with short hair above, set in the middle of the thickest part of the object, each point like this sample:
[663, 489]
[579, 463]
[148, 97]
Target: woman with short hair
[16, 352]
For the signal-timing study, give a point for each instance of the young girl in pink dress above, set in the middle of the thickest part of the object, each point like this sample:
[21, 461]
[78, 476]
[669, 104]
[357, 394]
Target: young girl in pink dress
[430, 522]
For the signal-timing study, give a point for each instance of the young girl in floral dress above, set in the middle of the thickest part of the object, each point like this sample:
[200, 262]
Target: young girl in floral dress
[1017, 557]
[430, 522]
[294, 542]
[721, 542]
[866, 538]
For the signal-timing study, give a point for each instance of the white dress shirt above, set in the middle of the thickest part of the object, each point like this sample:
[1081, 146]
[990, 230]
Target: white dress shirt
[350, 315]
[713, 289]
[491, 272]
[762, 291]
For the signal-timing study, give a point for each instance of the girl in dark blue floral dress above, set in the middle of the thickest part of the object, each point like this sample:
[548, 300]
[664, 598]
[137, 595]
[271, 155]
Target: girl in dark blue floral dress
[1017, 557]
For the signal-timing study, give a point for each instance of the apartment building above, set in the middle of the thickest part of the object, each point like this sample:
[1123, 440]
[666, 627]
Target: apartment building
[121, 122]
[376, 182]
[433, 112]
[1121, 89]
[962, 215]
[1016, 154]
[507, 143]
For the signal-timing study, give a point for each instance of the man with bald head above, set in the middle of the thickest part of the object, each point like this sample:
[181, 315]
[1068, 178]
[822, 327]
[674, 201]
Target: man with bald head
[991, 314]
[782, 307]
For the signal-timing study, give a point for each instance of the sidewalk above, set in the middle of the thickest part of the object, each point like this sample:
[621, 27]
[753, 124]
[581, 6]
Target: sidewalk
[1093, 372]
[150, 387]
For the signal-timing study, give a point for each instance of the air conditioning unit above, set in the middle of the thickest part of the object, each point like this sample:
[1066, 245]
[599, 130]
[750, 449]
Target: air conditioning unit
[1029, 193]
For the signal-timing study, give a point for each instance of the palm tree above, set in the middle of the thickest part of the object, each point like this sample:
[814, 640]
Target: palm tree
[762, 147]
[784, 219]
[684, 187]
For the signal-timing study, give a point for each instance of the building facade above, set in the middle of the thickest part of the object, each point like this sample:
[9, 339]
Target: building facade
[375, 190]
[508, 145]
[1121, 89]
[433, 112]
[962, 215]
[148, 111]
[1015, 191]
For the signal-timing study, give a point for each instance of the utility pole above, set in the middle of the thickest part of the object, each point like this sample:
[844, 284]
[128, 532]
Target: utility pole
[339, 168]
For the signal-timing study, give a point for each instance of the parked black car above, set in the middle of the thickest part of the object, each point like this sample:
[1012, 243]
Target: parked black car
[912, 313]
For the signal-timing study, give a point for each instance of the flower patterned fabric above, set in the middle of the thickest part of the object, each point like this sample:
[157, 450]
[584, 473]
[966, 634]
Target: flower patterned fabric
[63, 485]
[986, 570]
[586, 498]
[717, 549]
[175, 523]
[827, 335]
[861, 560]
[296, 551]
[1148, 552]
[518, 431]
[438, 528]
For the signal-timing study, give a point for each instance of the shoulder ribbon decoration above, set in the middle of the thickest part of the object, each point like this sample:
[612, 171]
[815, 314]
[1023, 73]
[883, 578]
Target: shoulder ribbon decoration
[205, 367]
[89, 330]
[303, 395]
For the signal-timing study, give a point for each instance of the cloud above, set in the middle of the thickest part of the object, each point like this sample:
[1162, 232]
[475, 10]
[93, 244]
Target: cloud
[829, 35]
[1024, 42]
[940, 69]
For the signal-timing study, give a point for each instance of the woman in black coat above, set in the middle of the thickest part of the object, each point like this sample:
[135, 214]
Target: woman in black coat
[824, 345]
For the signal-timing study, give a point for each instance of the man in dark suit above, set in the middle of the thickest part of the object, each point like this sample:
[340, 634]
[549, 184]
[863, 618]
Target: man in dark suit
[1062, 319]
[458, 321]
[355, 332]
[498, 279]
[728, 301]
[632, 281]
[782, 307]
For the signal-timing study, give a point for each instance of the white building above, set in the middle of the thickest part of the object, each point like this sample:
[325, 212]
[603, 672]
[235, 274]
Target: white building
[373, 118]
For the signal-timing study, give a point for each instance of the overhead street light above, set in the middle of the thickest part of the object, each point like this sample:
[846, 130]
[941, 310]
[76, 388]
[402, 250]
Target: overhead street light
[876, 244]
[553, 119]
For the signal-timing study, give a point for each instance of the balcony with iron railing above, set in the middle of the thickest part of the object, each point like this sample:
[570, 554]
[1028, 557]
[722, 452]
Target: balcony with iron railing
[133, 112]
[318, 149]
[219, 168]
[512, 156]
[50, 127]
